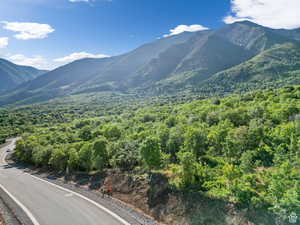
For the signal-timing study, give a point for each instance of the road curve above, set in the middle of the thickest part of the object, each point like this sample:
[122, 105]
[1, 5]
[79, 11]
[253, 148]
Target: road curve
[49, 205]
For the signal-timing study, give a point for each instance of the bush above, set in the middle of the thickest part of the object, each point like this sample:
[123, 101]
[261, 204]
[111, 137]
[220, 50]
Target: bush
[189, 168]
[85, 133]
[59, 159]
[73, 161]
[112, 132]
[124, 155]
[150, 152]
[100, 154]
[195, 140]
[85, 156]
[41, 156]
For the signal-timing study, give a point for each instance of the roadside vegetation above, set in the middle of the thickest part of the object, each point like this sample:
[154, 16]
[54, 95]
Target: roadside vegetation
[241, 148]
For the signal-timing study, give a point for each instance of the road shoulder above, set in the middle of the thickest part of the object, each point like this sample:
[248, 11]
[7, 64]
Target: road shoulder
[123, 210]
[9, 211]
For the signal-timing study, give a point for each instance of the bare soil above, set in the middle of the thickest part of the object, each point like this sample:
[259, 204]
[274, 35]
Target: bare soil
[153, 196]
[2, 220]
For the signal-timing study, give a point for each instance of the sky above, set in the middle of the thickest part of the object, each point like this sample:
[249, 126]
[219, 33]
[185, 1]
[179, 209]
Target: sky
[50, 33]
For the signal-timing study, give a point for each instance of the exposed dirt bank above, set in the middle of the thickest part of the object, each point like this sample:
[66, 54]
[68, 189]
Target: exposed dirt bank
[152, 195]
[1, 220]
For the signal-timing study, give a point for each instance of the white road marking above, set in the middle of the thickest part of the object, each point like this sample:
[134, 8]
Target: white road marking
[29, 214]
[69, 195]
[85, 198]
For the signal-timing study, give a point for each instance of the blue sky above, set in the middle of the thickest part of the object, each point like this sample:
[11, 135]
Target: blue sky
[50, 33]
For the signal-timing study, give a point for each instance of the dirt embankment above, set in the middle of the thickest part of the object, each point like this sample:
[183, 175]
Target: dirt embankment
[2, 220]
[154, 196]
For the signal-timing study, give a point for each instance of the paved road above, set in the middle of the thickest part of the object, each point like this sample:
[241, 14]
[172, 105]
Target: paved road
[48, 204]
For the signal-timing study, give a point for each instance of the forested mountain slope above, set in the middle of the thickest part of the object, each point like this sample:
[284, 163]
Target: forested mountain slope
[180, 63]
[272, 68]
[11, 75]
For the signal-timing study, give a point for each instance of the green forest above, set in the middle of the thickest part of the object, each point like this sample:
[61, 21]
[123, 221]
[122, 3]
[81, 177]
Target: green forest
[240, 148]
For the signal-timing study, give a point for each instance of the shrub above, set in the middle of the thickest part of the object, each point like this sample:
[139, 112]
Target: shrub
[59, 159]
[150, 152]
[100, 154]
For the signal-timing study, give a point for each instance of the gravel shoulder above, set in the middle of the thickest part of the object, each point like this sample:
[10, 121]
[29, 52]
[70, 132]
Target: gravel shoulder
[6, 215]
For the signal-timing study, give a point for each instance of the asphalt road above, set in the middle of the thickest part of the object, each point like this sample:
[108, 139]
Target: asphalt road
[48, 204]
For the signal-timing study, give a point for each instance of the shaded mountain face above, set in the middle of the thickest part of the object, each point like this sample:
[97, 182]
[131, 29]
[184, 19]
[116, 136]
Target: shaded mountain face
[12, 75]
[275, 67]
[172, 64]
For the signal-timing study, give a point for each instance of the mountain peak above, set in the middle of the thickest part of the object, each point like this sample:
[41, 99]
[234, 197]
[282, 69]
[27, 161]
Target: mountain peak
[165, 65]
[247, 22]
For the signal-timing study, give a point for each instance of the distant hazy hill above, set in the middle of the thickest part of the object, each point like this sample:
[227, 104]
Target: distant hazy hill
[11, 75]
[238, 56]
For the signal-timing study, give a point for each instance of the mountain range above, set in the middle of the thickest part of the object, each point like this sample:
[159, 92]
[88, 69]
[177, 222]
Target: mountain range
[12, 75]
[236, 57]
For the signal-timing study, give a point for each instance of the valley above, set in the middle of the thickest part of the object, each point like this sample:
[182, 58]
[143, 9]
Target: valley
[198, 127]
[240, 150]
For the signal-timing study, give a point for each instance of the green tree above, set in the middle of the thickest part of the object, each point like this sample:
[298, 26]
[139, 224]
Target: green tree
[85, 133]
[59, 159]
[112, 132]
[100, 154]
[196, 141]
[174, 143]
[85, 156]
[189, 167]
[73, 161]
[150, 152]
[124, 154]
[41, 156]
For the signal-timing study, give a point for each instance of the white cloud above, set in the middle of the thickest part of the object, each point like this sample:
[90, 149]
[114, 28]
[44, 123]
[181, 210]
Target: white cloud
[3, 42]
[269, 13]
[79, 55]
[28, 30]
[182, 28]
[35, 61]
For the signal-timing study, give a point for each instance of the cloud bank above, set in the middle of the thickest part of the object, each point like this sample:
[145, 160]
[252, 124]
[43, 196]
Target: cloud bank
[35, 61]
[3, 42]
[186, 28]
[79, 55]
[26, 31]
[270, 13]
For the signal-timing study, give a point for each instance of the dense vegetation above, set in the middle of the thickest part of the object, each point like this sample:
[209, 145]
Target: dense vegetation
[241, 148]
[17, 120]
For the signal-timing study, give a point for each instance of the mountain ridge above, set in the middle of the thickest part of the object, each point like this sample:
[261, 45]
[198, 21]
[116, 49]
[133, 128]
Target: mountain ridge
[169, 65]
[12, 75]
